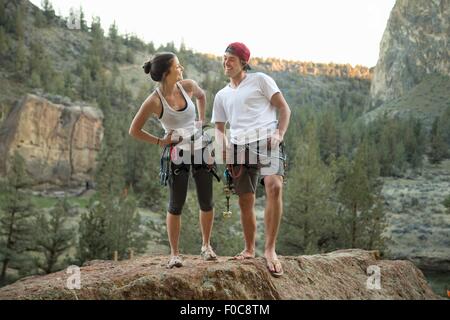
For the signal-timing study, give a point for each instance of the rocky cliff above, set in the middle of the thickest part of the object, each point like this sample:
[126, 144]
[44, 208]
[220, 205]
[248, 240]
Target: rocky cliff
[337, 275]
[59, 143]
[415, 44]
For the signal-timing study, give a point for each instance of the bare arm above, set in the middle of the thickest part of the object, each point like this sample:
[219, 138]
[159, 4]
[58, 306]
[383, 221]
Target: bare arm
[194, 90]
[284, 111]
[149, 107]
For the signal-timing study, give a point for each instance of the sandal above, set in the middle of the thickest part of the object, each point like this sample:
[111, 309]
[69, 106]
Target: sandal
[243, 256]
[208, 254]
[274, 263]
[175, 261]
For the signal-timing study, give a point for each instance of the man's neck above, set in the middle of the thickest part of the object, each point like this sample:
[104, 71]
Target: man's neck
[236, 80]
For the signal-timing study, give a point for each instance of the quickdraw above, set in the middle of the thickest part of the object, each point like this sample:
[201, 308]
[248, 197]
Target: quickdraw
[228, 190]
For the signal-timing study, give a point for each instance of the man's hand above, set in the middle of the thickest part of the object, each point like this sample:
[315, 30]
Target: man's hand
[275, 139]
[198, 124]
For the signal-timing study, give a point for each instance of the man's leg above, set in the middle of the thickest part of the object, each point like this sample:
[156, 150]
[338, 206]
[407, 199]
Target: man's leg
[248, 220]
[272, 217]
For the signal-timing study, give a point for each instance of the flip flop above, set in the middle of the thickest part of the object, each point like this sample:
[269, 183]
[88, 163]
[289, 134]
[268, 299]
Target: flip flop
[274, 262]
[242, 256]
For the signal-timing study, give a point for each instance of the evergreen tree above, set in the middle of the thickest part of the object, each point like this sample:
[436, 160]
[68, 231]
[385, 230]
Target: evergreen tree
[111, 225]
[40, 20]
[125, 232]
[438, 146]
[110, 175]
[83, 24]
[3, 42]
[113, 33]
[92, 243]
[85, 84]
[329, 137]
[307, 219]
[361, 215]
[16, 212]
[49, 12]
[3, 18]
[19, 22]
[53, 238]
[151, 48]
[21, 61]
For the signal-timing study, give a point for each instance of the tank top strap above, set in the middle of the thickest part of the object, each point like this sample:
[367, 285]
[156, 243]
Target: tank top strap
[186, 96]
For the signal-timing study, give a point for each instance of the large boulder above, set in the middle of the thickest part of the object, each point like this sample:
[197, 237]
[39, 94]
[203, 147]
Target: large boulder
[345, 274]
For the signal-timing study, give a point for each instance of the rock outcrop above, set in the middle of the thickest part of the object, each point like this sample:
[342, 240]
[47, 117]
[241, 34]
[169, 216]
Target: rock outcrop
[415, 44]
[338, 275]
[59, 143]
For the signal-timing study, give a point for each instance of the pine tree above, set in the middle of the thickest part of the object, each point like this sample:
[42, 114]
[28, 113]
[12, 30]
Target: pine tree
[111, 225]
[113, 33]
[305, 227]
[49, 12]
[93, 243]
[83, 24]
[361, 215]
[53, 237]
[151, 48]
[40, 20]
[438, 146]
[19, 22]
[125, 231]
[85, 84]
[16, 212]
[110, 175]
[3, 18]
[20, 61]
[3, 42]
[329, 137]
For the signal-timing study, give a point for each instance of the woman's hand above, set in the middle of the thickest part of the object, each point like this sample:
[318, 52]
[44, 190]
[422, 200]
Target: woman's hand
[170, 138]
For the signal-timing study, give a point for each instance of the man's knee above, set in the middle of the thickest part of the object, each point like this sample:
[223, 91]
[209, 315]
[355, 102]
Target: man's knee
[274, 186]
[247, 201]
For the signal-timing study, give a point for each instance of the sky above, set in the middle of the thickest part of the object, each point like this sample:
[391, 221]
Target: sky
[338, 31]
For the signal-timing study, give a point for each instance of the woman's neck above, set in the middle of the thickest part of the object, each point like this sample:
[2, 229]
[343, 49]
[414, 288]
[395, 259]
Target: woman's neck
[168, 87]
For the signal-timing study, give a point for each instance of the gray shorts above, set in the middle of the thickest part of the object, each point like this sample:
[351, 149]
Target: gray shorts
[178, 186]
[258, 164]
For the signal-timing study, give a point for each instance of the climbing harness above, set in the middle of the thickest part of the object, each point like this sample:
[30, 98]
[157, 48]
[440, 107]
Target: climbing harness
[230, 175]
[169, 153]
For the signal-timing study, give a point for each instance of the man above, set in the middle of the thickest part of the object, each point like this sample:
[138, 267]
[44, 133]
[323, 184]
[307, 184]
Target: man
[249, 103]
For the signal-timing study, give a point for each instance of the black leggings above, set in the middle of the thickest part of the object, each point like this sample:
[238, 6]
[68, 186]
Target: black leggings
[178, 186]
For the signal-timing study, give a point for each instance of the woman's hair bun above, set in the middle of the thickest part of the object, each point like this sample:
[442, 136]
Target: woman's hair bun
[147, 67]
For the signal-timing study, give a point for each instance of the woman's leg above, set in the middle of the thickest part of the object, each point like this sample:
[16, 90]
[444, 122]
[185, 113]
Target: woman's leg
[178, 185]
[203, 182]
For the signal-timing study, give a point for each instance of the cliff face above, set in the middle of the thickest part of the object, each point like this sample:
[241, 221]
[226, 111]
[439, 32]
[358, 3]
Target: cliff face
[415, 44]
[337, 275]
[58, 143]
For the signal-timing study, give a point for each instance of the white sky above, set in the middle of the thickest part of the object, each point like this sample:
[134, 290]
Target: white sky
[339, 31]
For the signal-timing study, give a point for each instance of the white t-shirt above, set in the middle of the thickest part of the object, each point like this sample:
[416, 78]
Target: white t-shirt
[247, 108]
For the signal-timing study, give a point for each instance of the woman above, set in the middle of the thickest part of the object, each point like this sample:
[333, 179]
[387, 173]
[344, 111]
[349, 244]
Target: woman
[171, 103]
